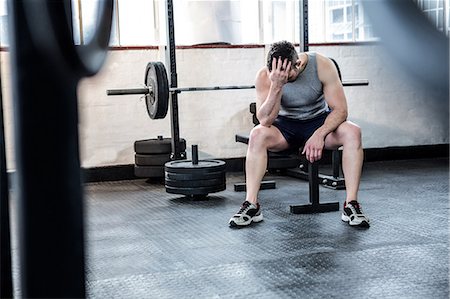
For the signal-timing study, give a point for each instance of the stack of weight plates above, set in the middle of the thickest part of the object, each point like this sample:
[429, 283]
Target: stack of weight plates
[184, 177]
[151, 155]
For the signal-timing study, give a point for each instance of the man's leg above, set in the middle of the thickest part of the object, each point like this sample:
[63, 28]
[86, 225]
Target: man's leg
[348, 135]
[261, 140]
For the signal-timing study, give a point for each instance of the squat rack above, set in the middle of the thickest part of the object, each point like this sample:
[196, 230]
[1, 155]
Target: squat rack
[171, 61]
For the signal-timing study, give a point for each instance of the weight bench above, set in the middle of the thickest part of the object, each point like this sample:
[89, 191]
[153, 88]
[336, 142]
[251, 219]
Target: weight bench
[311, 173]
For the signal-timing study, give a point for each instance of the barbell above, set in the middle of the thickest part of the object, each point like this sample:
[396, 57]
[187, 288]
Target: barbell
[157, 89]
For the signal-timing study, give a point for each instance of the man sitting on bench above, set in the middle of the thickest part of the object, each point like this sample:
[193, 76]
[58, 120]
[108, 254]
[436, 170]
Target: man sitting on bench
[301, 102]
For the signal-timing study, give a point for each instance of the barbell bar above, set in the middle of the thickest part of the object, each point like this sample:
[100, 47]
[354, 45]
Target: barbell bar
[157, 89]
[147, 90]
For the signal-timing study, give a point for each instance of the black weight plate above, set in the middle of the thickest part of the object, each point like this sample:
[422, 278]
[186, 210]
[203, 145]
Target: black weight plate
[158, 100]
[196, 183]
[149, 171]
[195, 191]
[156, 146]
[194, 176]
[151, 160]
[203, 166]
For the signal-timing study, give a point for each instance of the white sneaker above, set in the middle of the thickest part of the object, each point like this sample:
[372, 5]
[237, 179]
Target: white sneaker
[247, 214]
[354, 215]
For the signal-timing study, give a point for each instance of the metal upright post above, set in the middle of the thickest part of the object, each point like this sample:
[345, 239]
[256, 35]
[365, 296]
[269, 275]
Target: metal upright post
[6, 290]
[50, 205]
[304, 35]
[313, 176]
[46, 68]
[314, 205]
[175, 126]
[336, 163]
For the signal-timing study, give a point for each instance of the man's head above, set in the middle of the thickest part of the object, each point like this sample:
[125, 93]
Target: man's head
[283, 49]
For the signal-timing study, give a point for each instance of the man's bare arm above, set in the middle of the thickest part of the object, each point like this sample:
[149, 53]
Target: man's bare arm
[335, 97]
[269, 88]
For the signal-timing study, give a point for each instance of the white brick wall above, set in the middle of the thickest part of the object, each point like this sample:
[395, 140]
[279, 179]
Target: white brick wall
[392, 111]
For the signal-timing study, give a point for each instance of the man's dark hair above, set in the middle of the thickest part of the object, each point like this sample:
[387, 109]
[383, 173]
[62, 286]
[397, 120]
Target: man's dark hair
[284, 49]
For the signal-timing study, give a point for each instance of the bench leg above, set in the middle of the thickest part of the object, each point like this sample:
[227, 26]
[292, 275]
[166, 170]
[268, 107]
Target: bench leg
[314, 206]
[239, 187]
[336, 162]
[334, 181]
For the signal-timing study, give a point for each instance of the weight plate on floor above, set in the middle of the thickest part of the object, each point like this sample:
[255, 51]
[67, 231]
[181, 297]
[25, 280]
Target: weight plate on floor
[149, 171]
[151, 160]
[203, 166]
[194, 176]
[156, 146]
[157, 101]
[195, 183]
[195, 191]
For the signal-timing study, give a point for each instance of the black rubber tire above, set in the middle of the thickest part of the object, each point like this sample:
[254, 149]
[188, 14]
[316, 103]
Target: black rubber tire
[151, 160]
[156, 146]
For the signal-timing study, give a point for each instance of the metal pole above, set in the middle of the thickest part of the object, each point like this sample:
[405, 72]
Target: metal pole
[49, 197]
[303, 15]
[175, 126]
[6, 290]
[313, 177]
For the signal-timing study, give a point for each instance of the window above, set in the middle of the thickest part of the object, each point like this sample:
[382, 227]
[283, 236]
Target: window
[279, 21]
[142, 22]
[338, 21]
[437, 11]
[337, 15]
[3, 24]
[133, 22]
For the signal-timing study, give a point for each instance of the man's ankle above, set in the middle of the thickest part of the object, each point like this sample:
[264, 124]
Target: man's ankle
[253, 201]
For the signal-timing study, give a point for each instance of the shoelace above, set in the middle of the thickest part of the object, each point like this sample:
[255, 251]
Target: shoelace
[244, 207]
[357, 207]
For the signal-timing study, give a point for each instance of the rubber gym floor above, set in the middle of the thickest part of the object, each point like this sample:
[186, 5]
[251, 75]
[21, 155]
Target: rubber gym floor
[145, 243]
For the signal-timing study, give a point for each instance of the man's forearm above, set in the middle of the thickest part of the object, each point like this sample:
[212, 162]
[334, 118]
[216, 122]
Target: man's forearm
[333, 120]
[271, 107]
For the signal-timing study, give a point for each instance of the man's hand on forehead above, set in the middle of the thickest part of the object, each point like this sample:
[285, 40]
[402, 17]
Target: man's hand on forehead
[280, 71]
[280, 64]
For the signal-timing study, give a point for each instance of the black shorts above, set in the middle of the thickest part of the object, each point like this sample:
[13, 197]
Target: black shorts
[297, 132]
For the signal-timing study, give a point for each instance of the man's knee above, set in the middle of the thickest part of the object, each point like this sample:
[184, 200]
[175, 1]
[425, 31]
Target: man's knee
[353, 134]
[259, 136]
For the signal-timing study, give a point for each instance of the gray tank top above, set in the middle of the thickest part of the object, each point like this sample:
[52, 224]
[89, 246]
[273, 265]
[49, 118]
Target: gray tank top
[303, 99]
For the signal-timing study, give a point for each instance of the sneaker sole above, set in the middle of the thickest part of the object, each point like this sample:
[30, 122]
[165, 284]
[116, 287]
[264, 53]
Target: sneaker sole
[255, 219]
[363, 223]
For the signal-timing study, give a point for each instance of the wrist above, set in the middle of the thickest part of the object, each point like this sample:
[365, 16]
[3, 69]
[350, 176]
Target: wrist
[321, 133]
[276, 86]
